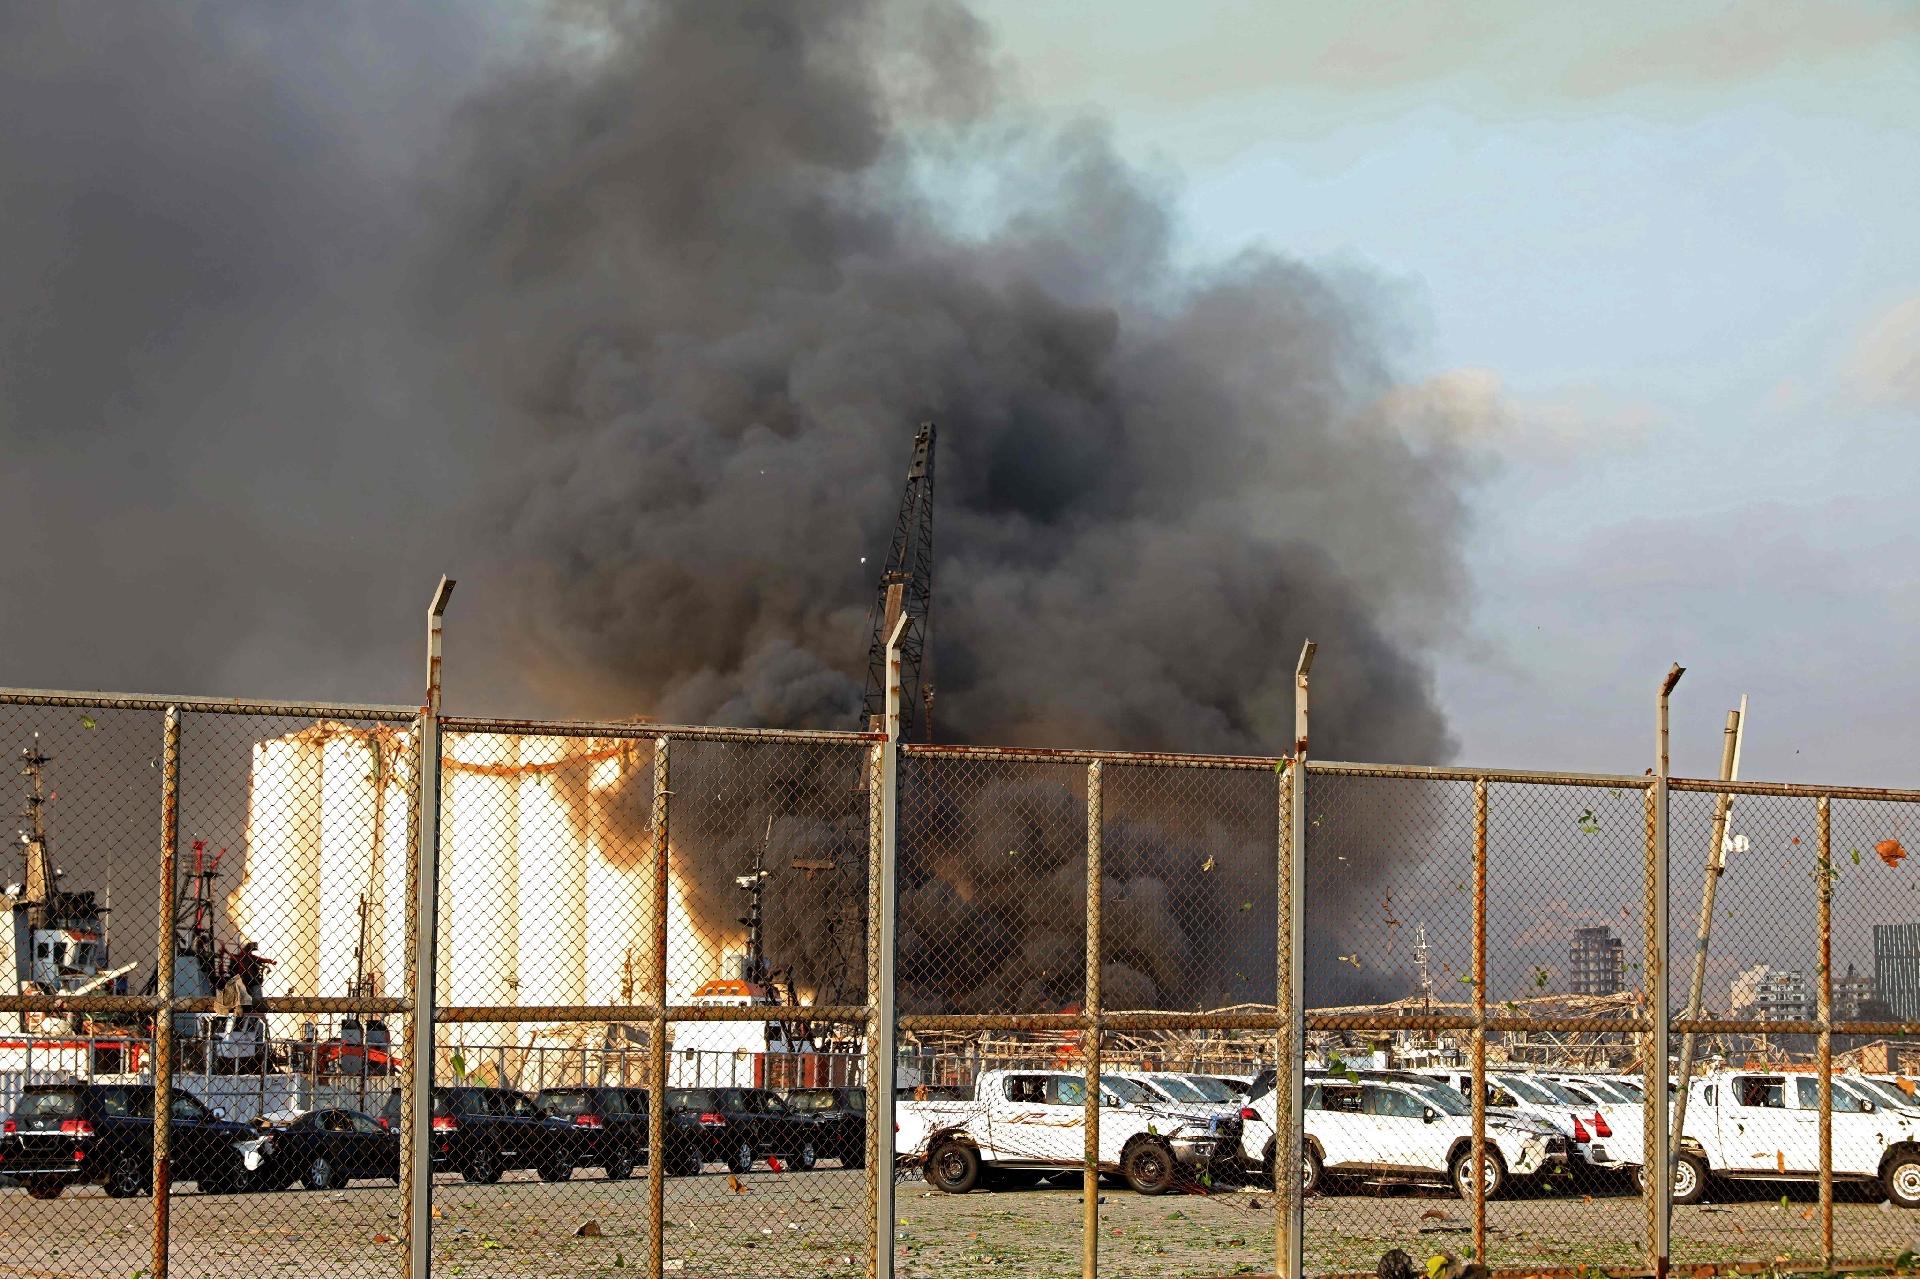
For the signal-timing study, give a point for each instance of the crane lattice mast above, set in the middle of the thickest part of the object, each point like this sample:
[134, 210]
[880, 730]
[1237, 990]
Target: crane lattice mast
[906, 589]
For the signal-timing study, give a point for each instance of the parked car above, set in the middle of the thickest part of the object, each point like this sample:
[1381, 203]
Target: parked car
[842, 1114]
[63, 1134]
[610, 1123]
[1414, 1131]
[1023, 1122]
[325, 1149]
[483, 1132]
[736, 1126]
[1765, 1127]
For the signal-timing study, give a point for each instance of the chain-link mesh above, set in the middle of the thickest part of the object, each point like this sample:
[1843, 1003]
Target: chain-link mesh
[1084, 975]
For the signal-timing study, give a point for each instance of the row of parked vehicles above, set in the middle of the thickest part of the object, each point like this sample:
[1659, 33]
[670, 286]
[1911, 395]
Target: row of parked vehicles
[1585, 1131]
[61, 1135]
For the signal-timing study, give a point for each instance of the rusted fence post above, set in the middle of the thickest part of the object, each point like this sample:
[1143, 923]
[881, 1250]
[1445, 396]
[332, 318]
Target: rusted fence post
[1090, 1041]
[1823, 995]
[657, 1056]
[423, 940]
[1716, 866]
[1289, 1093]
[1658, 1152]
[163, 992]
[883, 1049]
[1480, 1020]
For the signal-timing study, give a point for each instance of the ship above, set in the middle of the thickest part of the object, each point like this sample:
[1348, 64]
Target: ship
[56, 943]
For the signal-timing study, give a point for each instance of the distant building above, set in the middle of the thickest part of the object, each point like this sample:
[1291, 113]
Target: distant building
[1896, 969]
[1764, 993]
[1857, 998]
[1599, 964]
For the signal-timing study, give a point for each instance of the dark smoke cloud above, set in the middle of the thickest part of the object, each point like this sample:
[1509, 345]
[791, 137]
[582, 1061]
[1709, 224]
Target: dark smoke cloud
[626, 313]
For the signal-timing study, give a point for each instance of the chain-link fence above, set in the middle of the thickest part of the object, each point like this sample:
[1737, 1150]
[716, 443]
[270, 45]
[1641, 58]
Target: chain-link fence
[927, 1010]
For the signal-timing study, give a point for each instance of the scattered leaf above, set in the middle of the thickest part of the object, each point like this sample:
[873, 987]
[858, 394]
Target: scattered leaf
[1890, 852]
[1466, 979]
[1796, 841]
[588, 1229]
[1540, 976]
[1350, 959]
[1013, 852]
[733, 1184]
[88, 721]
[1588, 824]
[1245, 906]
[1856, 856]
[1207, 865]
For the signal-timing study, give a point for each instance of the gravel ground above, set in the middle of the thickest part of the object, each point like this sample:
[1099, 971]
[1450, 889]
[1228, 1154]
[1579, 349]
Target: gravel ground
[771, 1224]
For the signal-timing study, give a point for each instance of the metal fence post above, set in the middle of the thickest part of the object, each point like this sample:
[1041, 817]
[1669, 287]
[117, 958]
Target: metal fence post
[1480, 1020]
[1288, 1071]
[163, 990]
[657, 1059]
[1090, 1043]
[423, 940]
[1659, 1150]
[883, 1048]
[1716, 866]
[1823, 995]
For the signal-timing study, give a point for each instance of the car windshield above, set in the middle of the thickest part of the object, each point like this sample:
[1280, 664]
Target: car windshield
[1178, 1089]
[1209, 1089]
[1887, 1093]
[810, 1101]
[690, 1099]
[1448, 1101]
[1630, 1090]
[1526, 1090]
[1602, 1090]
[1128, 1091]
[48, 1105]
[567, 1101]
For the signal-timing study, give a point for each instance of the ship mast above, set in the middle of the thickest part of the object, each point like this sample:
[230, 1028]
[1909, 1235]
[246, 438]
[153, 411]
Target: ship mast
[40, 872]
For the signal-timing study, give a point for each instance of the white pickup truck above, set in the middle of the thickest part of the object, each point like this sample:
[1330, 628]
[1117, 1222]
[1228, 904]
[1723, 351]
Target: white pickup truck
[1027, 1122]
[1766, 1127]
[1403, 1130]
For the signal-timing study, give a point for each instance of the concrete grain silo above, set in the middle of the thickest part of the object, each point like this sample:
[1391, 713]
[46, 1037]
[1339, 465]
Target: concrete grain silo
[276, 902]
[480, 875]
[551, 813]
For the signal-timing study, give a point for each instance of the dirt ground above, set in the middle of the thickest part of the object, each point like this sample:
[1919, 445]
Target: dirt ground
[776, 1224]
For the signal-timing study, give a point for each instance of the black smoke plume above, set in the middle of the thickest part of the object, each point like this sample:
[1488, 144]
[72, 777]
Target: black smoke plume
[631, 310]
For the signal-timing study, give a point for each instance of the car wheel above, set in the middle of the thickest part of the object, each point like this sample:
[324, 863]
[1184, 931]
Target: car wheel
[953, 1167]
[619, 1165]
[806, 1157]
[1902, 1179]
[689, 1162]
[1689, 1178]
[1148, 1167]
[1493, 1177]
[126, 1178]
[319, 1174]
[482, 1168]
[225, 1181]
[1310, 1170]
[45, 1187]
[740, 1159]
[556, 1170]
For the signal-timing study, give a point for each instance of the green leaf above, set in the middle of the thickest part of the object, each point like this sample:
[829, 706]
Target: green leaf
[88, 721]
[1435, 1264]
[1783, 1203]
[458, 1065]
[1011, 852]
[1466, 980]
[1856, 862]
[1246, 906]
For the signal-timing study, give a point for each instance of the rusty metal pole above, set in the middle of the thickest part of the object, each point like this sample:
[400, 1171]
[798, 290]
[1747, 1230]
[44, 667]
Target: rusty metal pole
[1823, 814]
[1289, 1092]
[879, 1077]
[1716, 866]
[163, 991]
[657, 840]
[1090, 1041]
[1480, 1021]
[1658, 1154]
[416, 1097]
[883, 1047]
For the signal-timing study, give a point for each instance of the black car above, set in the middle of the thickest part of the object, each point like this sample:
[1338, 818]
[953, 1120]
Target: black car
[63, 1134]
[842, 1115]
[738, 1125]
[483, 1132]
[613, 1129]
[325, 1149]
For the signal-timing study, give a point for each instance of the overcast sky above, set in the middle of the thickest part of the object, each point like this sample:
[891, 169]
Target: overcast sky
[1673, 250]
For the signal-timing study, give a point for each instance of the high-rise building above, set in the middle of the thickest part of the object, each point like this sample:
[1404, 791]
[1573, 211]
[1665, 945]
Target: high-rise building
[1896, 969]
[1764, 993]
[1598, 963]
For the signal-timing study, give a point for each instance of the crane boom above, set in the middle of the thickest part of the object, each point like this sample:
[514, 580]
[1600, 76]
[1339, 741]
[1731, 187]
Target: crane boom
[906, 588]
